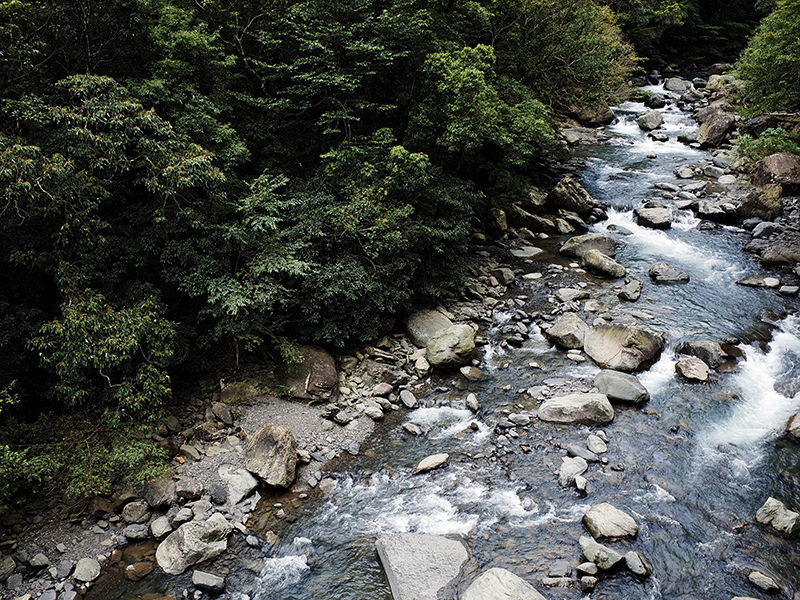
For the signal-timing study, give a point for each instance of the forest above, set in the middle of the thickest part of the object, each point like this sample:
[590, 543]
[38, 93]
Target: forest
[186, 182]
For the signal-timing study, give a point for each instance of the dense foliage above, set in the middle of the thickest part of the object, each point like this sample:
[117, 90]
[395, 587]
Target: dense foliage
[184, 178]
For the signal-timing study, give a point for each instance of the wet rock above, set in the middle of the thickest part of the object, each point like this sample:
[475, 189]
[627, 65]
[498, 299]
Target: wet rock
[793, 426]
[783, 169]
[408, 399]
[239, 483]
[451, 347]
[692, 369]
[605, 521]
[654, 218]
[136, 531]
[596, 444]
[713, 132]
[632, 290]
[193, 543]
[766, 229]
[582, 452]
[472, 402]
[578, 245]
[208, 581]
[87, 569]
[571, 294]
[677, 85]
[136, 512]
[622, 387]
[315, 377]
[500, 583]
[569, 195]
[422, 325]
[758, 281]
[138, 571]
[712, 353]
[588, 583]
[431, 462]
[662, 272]
[585, 409]
[160, 527]
[765, 203]
[622, 347]
[569, 331]
[417, 566]
[780, 254]
[636, 564]
[604, 557]
[775, 514]
[160, 492]
[650, 120]
[596, 261]
[765, 582]
[526, 251]
[271, 454]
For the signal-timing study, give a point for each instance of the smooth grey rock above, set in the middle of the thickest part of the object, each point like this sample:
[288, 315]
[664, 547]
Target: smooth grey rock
[87, 569]
[136, 531]
[417, 565]
[662, 272]
[692, 369]
[569, 331]
[584, 409]
[190, 452]
[193, 543]
[605, 521]
[636, 564]
[677, 85]
[766, 229]
[632, 290]
[775, 514]
[160, 492]
[596, 444]
[223, 412]
[622, 387]
[408, 399]
[654, 218]
[604, 557]
[238, 482]
[623, 347]
[160, 527]
[570, 469]
[136, 512]
[189, 488]
[596, 261]
[271, 454]
[571, 294]
[569, 195]
[578, 245]
[451, 347]
[526, 251]
[582, 451]
[38, 561]
[64, 568]
[422, 325]
[499, 584]
[7, 567]
[758, 281]
[650, 120]
[431, 462]
[208, 581]
[765, 582]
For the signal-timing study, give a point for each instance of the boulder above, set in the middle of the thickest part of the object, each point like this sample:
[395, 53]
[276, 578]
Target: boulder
[775, 514]
[783, 169]
[793, 426]
[271, 454]
[223, 412]
[192, 543]
[655, 218]
[711, 353]
[655, 101]
[500, 583]
[758, 281]
[569, 331]
[692, 369]
[208, 581]
[650, 120]
[632, 290]
[596, 261]
[315, 377]
[136, 512]
[603, 556]
[418, 565]
[622, 387]
[239, 483]
[571, 467]
[422, 325]
[87, 569]
[661, 272]
[569, 195]
[677, 85]
[584, 409]
[136, 531]
[451, 347]
[765, 203]
[578, 245]
[765, 582]
[160, 527]
[160, 492]
[637, 565]
[712, 133]
[622, 347]
[605, 521]
[430, 463]
[780, 254]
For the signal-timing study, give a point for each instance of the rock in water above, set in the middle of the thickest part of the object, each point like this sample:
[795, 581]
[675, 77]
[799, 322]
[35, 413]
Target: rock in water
[793, 426]
[419, 565]
[193, 543]
[603, 556]
[499, 584]
[584, 409]
[711, 353]
[431, 462]
[655, 218]
[632, 290]
[451, 347]
[569, 331]
[598, 262]
[422, 325]
[607, 521]
[775, 514]
[570, 469]
[692, 369]
[623, 347]
[621, 386]
[650, 120]
[661, 272]
[578, 245]
[271, 453]
[569, 195]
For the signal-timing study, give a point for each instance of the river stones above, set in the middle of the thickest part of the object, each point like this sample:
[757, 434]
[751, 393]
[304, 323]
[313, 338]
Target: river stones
[780, 254]
[623, 347]
[239, 483]
[418, 565]
[677, 85]
[604, 557]
[271, 454]
[430, 463]
[500, 583]
[636, 564]
[160, 492]
[569, 331]
[765, 582]
[584, 409]
[783, 169]
[650, 120]
[654, 218]
[712, 353]
[596, 261]
[764, 203]
[87, 569]
[632, 290]
[622, 387]
[692, 369]
[422, 325]
[193, 543]
[775, 514]
[451, 347]
[759, 281]
[578, 245]
[662, 272]
[713, 132]
[605, 521]
[571, 468]
[569, 195]
[793, 426]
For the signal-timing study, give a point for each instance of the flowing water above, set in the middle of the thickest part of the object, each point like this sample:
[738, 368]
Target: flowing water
[691, 468]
